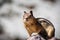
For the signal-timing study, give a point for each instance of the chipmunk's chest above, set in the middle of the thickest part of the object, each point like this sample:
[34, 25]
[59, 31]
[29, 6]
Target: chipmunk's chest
[33, 28]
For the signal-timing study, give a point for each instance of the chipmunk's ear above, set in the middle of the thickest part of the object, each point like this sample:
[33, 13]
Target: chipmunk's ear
[31, 13]
[24, 11]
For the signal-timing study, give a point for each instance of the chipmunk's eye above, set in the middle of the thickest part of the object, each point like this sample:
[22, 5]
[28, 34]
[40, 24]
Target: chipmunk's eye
[26, 19]
[32, 24]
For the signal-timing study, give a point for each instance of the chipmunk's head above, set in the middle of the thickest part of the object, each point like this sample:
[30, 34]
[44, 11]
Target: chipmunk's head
[27, 16]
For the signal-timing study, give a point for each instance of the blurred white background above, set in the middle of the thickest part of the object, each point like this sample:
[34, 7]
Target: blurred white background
[11, 14]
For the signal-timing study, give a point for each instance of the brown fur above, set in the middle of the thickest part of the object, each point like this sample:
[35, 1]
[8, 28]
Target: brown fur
[33, 25]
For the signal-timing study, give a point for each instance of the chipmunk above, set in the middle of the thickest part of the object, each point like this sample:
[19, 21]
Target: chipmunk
[38, 25]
